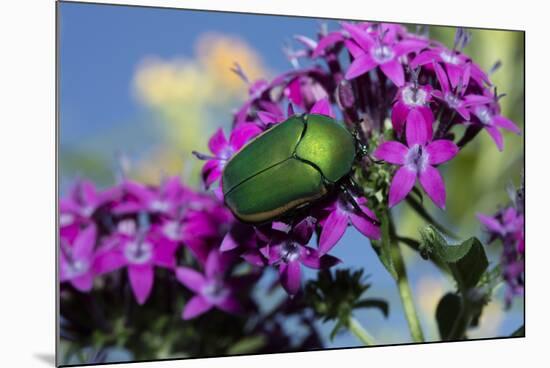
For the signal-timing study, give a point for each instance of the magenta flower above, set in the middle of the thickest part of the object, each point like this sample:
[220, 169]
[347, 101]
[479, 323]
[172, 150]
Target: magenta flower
[379, 50]
[165, 200]
[341, 214]
[223, 149]
[416, 161]
[75, 264]
[455, 98]
[491, 120]
[412, 97]
[139, 252]
[321, 107]
[289, 250]
[507, 222]
[455, 64]
[212, 288]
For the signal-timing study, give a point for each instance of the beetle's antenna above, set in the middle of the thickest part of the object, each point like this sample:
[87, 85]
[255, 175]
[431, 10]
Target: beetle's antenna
[356, 206]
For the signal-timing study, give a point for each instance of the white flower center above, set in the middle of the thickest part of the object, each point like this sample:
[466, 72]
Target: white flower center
[66, 219]
[214, 290]
[290, 252]
[172, 230]
[138, 252]
[414, 96]
[452, 100]
[449, 57]
[160, 206]
[127, 227]
[382, 54]
[77, 267]
[484, 115]
[417, 158]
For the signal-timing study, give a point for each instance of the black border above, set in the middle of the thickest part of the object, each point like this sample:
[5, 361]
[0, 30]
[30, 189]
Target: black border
[56, 164]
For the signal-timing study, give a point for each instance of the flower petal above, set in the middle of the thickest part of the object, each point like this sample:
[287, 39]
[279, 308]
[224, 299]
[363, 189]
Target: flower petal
[84, 243]
[365, 226]
[108, 261]
[401, 184]
[394, 71]
[328, 40]
[361, 65]
[442, 77]
[290, 276]
[354, 48]
[196, 306]
[433, 184]
[491, 223]
[507, 124]
[399, 114]
[359, 35]
[217, 142]
[496, 135]
[393, 152]
[230, 304]
[242, 134]
[407, 46]
[440, 151]
[333, 230]
[416, 129]
[313, 259]
[322, 107]
[141, 280]
[192, 279]
[84, 282]
[254, 257]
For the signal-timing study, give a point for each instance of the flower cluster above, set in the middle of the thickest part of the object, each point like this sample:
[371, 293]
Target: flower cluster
[136, 228]
[508, 226]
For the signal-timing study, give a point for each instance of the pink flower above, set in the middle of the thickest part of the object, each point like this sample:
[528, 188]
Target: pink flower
[380, 50]
[76, 260]
[140, 252]
[417, 160]
[341, 214]
[223, 149]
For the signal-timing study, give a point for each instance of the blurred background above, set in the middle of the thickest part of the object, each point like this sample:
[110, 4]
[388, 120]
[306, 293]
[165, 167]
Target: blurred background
[143, 87]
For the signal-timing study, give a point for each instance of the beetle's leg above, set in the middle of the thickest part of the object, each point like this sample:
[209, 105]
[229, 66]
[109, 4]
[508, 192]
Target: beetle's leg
[356, 206]
[356, 187]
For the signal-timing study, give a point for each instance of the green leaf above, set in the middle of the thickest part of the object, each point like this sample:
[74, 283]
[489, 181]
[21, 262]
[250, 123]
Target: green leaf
[247, 345]
[450, 317]
[467, 260]
[379, 304]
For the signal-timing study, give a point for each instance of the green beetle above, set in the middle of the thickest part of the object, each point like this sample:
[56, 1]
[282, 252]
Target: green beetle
[288, 167]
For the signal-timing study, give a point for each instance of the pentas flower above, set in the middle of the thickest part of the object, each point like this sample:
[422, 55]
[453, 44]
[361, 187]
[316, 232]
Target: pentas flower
[212, 289]
[455, 64]
[381, 51]
[139, 251]
[76, 260]
[288, 251]
[341, 214]
[508, 222]
[223, 149]
[508, 226]
[321, 107]
[304, 92]
[411, 97]
[491, 120]
[78, 208]
[164, 200]
[417, 160]
[455, 97]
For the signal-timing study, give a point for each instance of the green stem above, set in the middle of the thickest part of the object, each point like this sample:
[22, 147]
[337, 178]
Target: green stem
[359, 331]
[403, 283]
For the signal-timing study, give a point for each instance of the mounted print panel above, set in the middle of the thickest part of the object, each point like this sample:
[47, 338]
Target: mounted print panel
[235, 183]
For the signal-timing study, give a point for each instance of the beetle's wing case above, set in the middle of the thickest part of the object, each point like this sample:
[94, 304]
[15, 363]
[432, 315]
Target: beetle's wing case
[328, 146]
[273, 192]
[270, 148]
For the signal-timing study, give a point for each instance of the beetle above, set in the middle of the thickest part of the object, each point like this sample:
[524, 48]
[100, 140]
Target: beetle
[288, 167]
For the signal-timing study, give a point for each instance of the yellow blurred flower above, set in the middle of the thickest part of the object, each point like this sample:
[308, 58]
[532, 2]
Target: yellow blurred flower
[189, 95]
